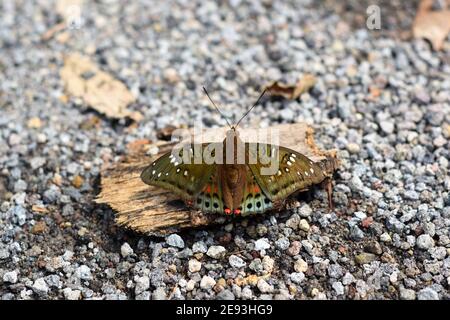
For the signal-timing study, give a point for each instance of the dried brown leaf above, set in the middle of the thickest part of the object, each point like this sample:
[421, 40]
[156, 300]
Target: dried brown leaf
[98, 89]
[166, 132]
[433, 25]
[292, 92]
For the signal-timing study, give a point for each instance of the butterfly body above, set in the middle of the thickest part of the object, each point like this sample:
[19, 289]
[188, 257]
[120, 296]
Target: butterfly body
[235, 184]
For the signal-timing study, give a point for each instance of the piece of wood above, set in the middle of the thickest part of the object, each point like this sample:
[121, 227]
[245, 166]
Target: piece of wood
[155, 211]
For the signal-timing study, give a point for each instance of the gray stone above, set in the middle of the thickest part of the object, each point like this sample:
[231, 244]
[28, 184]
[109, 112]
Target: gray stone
[216, 252]
[20, 185]
[427, 294]
[236, 262]
[387, 126]
[338, 288]
[293, 222]
[194, 265]
[10, 276]
[347, 279]
[207, 283]
[304, 225]
[264, 287]
[256, 265]
[297, 277]
[52, 194]
[175, 240]
[19, 213]
[159, 294]
[407, 294]
[142, 284]
[225, 295]
[199, 246]
[356, 233]
[262, 244]
[126, 250]
[247, 293]
[37, 162]
[40, 287]
[70, 294]
[282, 243]
[83, 273]
[300, 265]
[304, 211]
[53, 281]
[4, 253]
[424, 242]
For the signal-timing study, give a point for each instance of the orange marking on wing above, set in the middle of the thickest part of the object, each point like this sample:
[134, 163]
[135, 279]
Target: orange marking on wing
[256, 189]
[208, 188]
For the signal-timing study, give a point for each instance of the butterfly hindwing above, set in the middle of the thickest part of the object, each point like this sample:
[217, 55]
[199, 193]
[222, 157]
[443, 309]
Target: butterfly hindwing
[210, 197]
[254, 200]
[295, 171]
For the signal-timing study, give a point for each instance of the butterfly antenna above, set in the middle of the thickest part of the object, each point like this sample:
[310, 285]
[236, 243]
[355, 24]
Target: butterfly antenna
[226, 119]
[248, 111]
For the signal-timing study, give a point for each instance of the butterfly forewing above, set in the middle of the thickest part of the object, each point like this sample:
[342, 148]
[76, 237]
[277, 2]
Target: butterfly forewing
[185, 179]
[295, 172]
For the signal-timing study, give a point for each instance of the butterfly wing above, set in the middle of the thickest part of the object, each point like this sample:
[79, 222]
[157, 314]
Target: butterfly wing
[254, 200]
[210, 198]
[186, 179]
[295, 171]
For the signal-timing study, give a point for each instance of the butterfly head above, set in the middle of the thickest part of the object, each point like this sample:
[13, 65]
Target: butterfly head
[232, 132]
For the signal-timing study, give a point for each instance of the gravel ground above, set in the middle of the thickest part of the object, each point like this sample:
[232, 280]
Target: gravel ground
[382, 101]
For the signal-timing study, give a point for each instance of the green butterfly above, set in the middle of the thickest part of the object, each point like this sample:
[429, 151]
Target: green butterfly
[236, 187]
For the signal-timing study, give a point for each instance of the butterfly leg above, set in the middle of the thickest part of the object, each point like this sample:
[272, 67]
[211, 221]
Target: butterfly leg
[329, 188]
